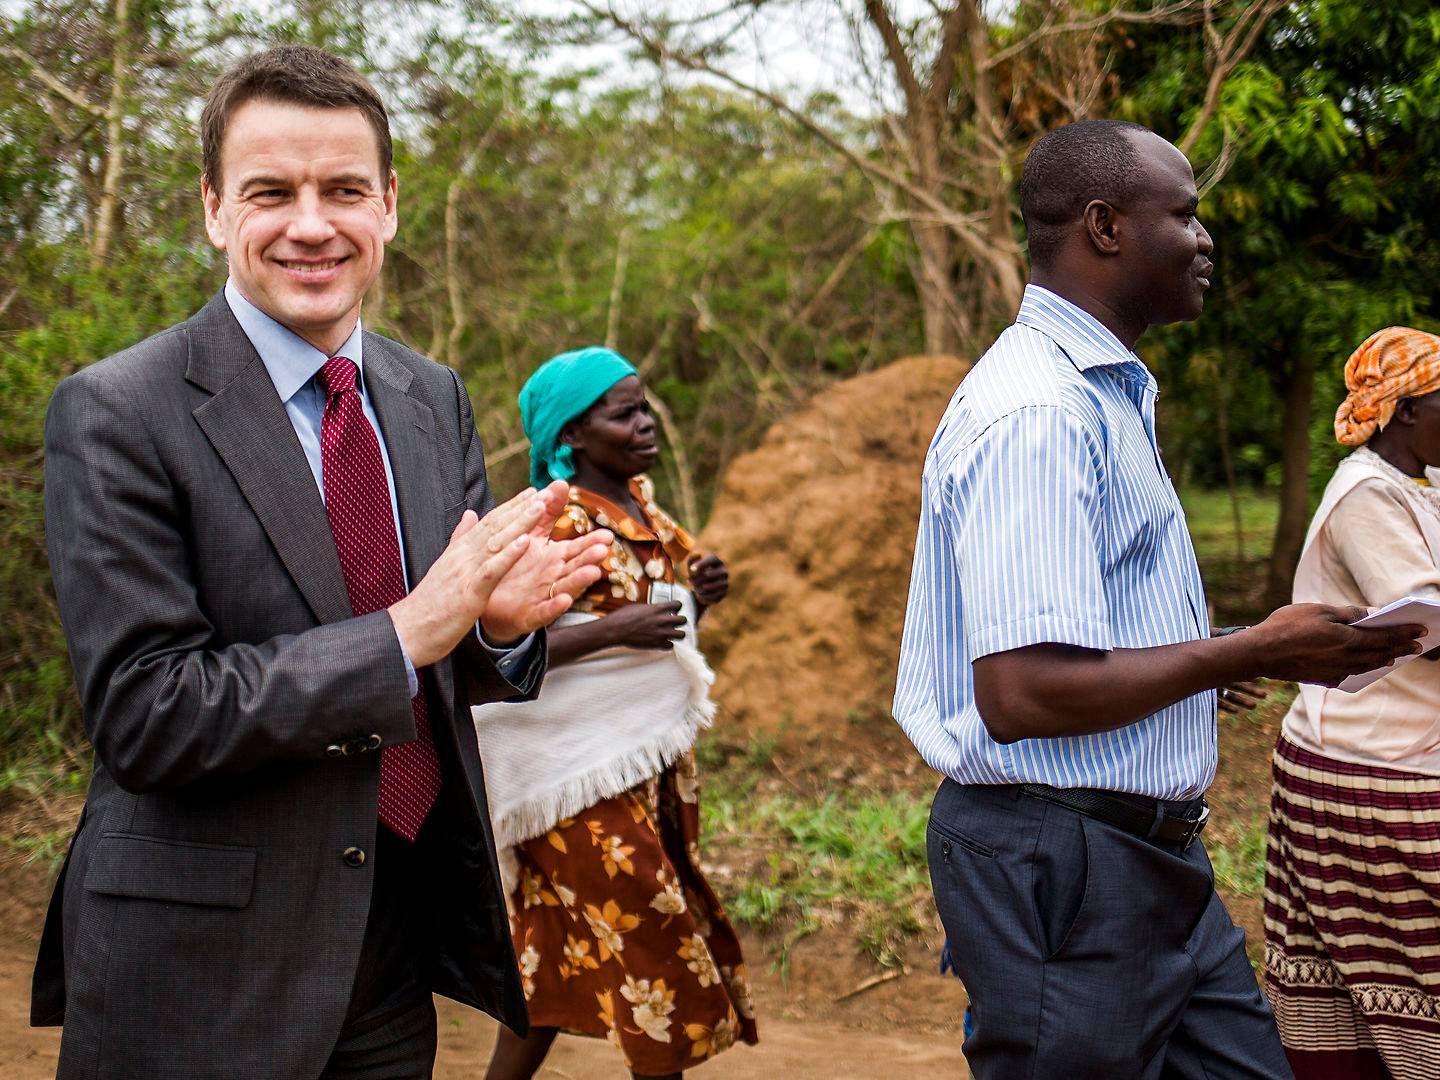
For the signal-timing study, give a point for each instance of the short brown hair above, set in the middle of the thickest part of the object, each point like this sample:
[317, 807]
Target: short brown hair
[296, 75]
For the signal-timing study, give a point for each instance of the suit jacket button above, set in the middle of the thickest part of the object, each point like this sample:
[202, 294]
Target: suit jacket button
[373, 743]
[354, 857]
[334, 750]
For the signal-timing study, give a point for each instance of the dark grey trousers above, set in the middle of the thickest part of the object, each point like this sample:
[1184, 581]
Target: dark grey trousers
[397, 1043]
[1089, 953]
[389, 1032]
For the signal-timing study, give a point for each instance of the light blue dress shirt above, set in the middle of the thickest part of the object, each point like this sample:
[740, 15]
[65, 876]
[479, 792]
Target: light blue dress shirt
[293, 365]
[1047, 516]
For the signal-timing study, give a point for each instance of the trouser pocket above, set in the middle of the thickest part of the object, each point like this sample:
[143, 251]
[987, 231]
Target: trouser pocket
[951, 837]
[1060, 879]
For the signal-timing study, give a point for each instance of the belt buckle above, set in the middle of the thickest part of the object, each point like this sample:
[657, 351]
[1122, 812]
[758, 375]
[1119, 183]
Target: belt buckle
[1196, 827]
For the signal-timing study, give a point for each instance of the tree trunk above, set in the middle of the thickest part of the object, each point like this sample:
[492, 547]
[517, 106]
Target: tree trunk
[453, 290]
[1006, 269]
[935, 284]
[1295, 481]
[109, 207]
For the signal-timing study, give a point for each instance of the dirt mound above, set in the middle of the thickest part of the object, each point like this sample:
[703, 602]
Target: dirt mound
[818, 527]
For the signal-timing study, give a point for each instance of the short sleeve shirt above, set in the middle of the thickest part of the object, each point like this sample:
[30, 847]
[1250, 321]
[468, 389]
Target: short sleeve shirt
[1047, 516]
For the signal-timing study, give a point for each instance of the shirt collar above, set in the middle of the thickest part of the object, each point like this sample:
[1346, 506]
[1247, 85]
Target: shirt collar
[1085, 339]
[290, 360]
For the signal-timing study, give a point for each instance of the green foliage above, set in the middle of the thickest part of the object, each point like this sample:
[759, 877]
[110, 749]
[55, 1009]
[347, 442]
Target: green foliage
[843, 853]
[517, 193]
[48, 848]
[1323, 224]
[91, 313]
[1240, 865]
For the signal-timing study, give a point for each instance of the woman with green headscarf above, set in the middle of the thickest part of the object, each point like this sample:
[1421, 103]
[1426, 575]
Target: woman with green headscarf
[592, 786]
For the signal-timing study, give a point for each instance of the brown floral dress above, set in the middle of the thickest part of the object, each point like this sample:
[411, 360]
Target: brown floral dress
[619, 935]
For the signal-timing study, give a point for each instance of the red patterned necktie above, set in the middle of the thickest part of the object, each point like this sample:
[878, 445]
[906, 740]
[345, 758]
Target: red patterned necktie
[357, 502]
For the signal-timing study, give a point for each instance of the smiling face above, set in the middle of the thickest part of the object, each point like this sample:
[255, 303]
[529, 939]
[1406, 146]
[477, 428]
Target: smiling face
[617, 435]
[1167, 258]
[304, 214]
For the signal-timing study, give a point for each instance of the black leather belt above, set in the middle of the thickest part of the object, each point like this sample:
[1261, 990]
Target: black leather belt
[1137, 814]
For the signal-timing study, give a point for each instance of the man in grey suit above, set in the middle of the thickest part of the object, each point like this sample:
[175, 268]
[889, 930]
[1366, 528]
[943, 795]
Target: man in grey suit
[285, 847]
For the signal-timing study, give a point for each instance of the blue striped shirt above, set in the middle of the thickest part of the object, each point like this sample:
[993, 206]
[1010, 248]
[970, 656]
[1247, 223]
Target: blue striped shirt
[1047, 516]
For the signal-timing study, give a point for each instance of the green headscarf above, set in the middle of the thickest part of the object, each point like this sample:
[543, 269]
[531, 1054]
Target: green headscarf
[561, 389]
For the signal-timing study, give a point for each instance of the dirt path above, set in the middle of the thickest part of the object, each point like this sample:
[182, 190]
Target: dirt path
[905, 1026]
[790, 1048]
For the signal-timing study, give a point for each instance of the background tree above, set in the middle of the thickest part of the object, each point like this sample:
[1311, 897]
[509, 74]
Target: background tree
[972, 89]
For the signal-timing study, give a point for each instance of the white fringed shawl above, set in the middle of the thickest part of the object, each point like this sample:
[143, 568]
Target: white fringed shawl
[601, 725]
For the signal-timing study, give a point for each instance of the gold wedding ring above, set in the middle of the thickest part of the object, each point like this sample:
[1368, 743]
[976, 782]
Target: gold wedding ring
[551, 594]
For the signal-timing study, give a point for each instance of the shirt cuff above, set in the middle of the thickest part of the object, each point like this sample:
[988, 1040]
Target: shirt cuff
[508, 661]
[512, 659]
[410, 676]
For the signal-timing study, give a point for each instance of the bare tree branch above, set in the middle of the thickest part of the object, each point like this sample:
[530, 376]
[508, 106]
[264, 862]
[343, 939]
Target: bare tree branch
[453, 292]
[942, 74]
[874, 169]
[832, 281]
[1215, 172]
[51, 83]
[1234, 48]
[617, 289]
[505, 453]
[108, 210]
[1178, 13]
[708, 321]
[9, 299]
[879, 15]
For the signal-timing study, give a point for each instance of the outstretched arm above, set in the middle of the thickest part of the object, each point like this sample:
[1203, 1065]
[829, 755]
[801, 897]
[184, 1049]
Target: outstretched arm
[1048, 690]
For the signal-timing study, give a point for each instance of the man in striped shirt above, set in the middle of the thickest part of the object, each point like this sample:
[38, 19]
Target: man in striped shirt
[1057, 664]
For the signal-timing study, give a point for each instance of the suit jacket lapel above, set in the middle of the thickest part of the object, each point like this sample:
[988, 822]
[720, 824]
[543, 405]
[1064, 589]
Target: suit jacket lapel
[247, 425]
[408, 427]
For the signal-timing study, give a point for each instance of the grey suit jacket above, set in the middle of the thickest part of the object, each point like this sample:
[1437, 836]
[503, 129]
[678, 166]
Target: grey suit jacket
[208, 920]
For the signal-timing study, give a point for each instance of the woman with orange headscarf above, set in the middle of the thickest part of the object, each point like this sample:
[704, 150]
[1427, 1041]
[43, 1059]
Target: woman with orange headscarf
[1352, 885]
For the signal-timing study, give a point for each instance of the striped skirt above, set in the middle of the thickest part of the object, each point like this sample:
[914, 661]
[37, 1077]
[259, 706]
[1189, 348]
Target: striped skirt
[1352, 917]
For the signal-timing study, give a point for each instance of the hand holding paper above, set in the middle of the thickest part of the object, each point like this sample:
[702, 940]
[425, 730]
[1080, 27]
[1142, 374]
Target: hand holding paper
[1326, 645]
[1407, 611]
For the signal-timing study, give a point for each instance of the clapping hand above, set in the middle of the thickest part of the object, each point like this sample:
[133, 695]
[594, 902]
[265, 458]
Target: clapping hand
[547, 577]
[503, 570]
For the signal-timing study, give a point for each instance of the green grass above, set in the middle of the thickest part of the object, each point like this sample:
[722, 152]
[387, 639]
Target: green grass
[1240, 864]
[1212, 523]
[1233, 586]
[57, 771]
[47, 848]
[846, 854]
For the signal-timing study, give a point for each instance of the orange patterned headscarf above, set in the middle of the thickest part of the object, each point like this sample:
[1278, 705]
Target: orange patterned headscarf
[1392, 364]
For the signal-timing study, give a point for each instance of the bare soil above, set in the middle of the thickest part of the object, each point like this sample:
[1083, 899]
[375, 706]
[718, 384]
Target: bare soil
[817, 525]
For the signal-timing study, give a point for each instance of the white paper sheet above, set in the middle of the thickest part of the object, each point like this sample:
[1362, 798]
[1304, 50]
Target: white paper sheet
[1409, 610]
